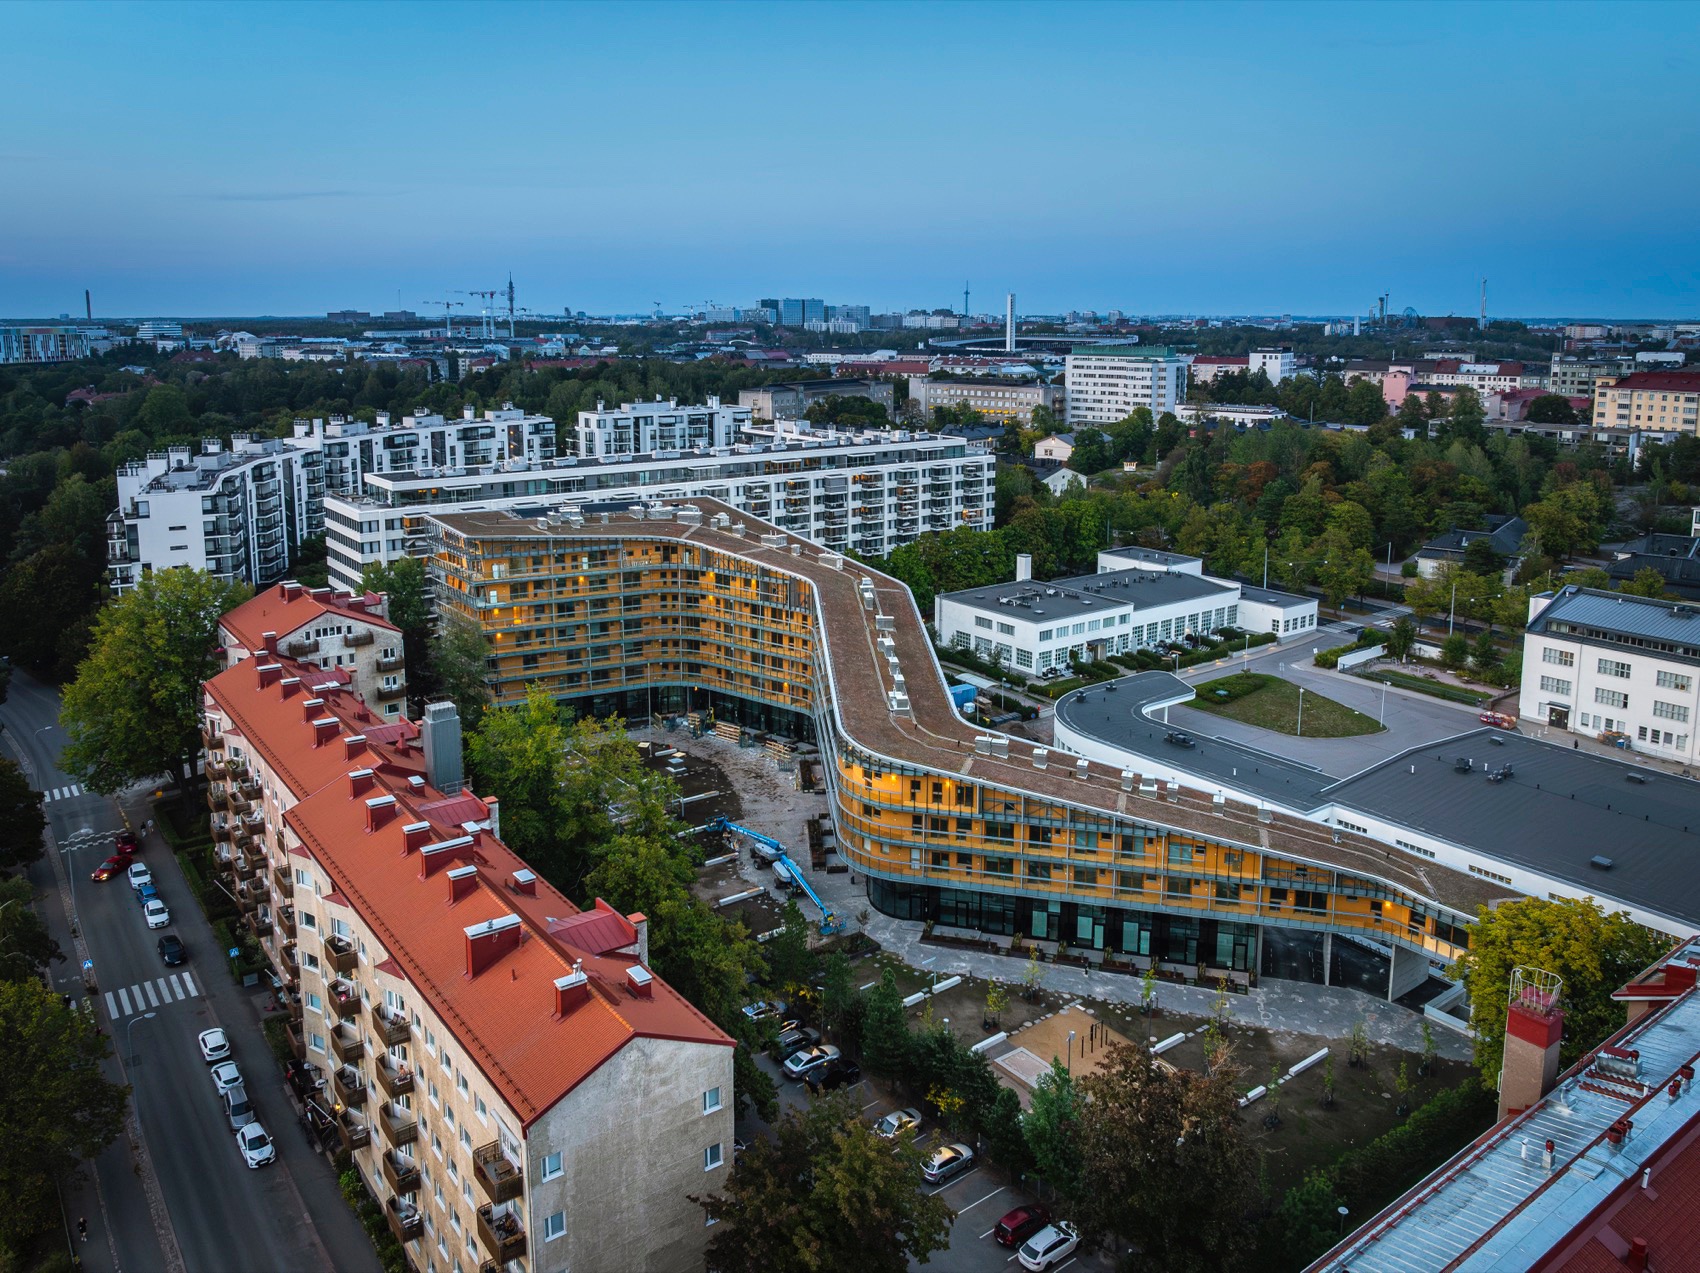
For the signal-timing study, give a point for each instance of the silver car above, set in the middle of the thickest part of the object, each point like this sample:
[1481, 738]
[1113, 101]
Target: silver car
[237, 1108]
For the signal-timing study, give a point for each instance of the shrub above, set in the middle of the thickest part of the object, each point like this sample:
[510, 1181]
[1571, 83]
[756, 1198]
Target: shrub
[1408, 569]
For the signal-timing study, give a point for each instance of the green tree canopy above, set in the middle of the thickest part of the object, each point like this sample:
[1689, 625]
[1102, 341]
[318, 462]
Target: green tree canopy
[134, 711]
[1052, 1128]
[21, 819]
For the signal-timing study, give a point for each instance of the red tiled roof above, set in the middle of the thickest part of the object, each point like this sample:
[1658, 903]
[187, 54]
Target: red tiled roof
[286, 608]
[1686, 381]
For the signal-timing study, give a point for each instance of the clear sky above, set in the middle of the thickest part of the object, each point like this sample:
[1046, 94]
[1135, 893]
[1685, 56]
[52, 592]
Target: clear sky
[1219, 158]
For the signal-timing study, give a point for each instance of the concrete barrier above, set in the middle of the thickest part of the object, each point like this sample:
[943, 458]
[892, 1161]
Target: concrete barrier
[721, 860]
[914, 999]
[944, 985]
[738, 897]
[985, 1045]
[1256, 1094]
[1358, 657]
[1313, 1059]
[1168, 1043]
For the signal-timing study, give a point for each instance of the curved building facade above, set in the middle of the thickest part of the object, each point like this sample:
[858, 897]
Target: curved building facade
[694, 607]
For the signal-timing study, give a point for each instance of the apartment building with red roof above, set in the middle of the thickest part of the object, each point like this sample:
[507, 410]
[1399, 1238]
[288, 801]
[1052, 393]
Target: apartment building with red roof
[333, 629]
[512, 1081]
[1648, 402]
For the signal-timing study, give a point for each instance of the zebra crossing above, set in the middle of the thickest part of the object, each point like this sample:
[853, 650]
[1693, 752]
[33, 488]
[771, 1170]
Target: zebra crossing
[62, 793]
[147, 995]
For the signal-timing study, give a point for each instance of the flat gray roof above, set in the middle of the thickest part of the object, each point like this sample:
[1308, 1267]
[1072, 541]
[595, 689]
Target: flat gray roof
[1275, 597]
[1671, 627]
[1155, 555]
[1087, 594]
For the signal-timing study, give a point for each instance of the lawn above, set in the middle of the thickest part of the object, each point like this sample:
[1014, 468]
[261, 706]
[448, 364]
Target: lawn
[1268, 702]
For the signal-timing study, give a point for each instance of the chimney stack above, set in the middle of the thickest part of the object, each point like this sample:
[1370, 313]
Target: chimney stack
[270, 674]
[571, 990]
[290, 686]
[489, 941]
[354, 745]
[414, 836]
[640, 921]
[439, 737]
[1023, 567]
[359, 782]
[495, 807]
[640, 982]
[269, 641]
[1534, 1027]
[380, 810]
[462, 880]
[325, 729]
[310, 708]
[525, 882]
[434, 857]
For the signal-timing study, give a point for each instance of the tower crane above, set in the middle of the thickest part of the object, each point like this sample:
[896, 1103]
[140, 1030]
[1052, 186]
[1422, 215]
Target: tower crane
[487, 321]
[448, 314]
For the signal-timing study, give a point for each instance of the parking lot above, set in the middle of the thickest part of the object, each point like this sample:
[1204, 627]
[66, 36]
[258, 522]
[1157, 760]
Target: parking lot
[979, 1196]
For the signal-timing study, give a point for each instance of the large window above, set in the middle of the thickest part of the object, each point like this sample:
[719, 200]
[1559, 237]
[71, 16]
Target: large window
[1552, 685]
[1670, 711]
[1562, 658]
[1675, 681]
[1611, 698]
[1611, 667]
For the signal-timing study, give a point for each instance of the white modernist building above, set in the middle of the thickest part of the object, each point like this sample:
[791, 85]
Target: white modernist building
[1599, 662]
[636, 428]
[354, 448]
[1105, 382]
[1277, 364]
[1138, 599]
[239, 513]
[866, 492]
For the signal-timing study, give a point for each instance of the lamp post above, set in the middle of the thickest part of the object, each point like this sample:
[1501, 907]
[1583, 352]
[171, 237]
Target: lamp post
[129, 1055]
[1452, 607]
[1301, 730]
[1344, 1212]
[1069, 1062]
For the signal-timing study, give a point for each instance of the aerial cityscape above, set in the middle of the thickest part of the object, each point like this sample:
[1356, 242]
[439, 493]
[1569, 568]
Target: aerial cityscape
[847, 638]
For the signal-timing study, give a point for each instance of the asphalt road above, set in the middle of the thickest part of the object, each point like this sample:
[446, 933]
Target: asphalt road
[286, 1217]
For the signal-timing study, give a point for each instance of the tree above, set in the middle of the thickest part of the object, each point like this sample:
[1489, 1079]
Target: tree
[1594, 952]
[47, 602]
[1004, 1137]
[827, 1195]
[1485, 654]
[997, 1000]
[1551, 408]
[1164, 1161]
[518, 754]
[403, 582]
[21, 820]
[459, 663]
[1365, 403]
[1091, 452]
[1480, 558]
[1413, 416]
[790, 961]
[1648, 582]
[60, 1108]
[1455, 652]
[134, 710]
[1052, 1128]
[1402, 638]
[25, 947]
[887, 1046]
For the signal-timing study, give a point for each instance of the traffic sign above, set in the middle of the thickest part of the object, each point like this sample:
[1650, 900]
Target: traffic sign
[234, 952]
[88, 964]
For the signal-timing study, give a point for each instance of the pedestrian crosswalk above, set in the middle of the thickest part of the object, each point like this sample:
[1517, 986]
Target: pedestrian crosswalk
[62, 793]
[145, 996]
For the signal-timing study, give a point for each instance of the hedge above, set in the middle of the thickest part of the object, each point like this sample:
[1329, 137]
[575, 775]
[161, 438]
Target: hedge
[1371, 1176]
[1331, 658]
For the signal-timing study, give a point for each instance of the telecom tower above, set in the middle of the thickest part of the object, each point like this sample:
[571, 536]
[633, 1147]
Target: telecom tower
[965, 298]
[1009, 323]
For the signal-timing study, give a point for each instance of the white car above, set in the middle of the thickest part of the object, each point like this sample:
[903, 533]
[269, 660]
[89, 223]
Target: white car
[256, 1146]
[156, 914]
[225, 1076]
[214, 1046]
[1052, 1243]
[897, 1122]
[139, 874]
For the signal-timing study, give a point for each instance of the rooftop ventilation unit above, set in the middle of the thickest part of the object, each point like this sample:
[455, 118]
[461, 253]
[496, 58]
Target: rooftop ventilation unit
[1041, 757]
[1128, 779]
[1082, 769]
[983, 746]
[1148, 785]
[1000, 748]
[1600, 862]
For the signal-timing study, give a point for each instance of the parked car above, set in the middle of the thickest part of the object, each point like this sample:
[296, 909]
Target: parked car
[1052, 1243]
[155, 912]
[172, 950]
[127, 842]
[117, 864]
[138, 874]
[795, 1039]
[214, 1045]
[256, 1146]
[798, 1064]
[237, 1107]
[833, 1075]
[764, 1009]
[1022, 1223]
[147, 893]
[897, 1122]
[1499, 719]
[1178, 739]
[225, 1076]
[947, 1162]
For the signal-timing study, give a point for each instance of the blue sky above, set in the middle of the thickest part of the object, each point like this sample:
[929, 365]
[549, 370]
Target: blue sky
[238, 159]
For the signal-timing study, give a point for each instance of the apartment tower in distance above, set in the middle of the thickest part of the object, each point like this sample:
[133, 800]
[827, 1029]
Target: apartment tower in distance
[1106, 382]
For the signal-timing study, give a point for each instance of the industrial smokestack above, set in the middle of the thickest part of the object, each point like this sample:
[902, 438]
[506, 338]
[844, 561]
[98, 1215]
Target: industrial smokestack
[1009, 323]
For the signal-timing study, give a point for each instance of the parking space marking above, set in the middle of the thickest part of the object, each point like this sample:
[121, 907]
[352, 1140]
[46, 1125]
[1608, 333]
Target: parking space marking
[869, 1106]
[1071, 1259]
[988, 1233]
[994, 1193]
[124, 998]
[935, 1193]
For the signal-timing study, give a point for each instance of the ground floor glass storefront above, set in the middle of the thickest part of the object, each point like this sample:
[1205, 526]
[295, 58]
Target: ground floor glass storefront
[640, 705]
[1177, 939]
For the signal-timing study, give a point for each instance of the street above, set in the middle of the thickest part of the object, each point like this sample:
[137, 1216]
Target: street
[184, 1199]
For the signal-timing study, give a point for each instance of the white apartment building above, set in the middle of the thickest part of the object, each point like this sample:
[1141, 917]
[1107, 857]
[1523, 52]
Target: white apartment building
[44, 344]
[353, 448]
[998, 400]
[663, 425]
[1598, 662]
[1137, 599]
[1106, 382]
[867, 492]
[1277, 364]
[239, 513]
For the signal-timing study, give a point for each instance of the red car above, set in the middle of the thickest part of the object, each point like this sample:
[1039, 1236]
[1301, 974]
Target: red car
[1498, 718]
[127, 842]
[114, 865]
[1021, 1224]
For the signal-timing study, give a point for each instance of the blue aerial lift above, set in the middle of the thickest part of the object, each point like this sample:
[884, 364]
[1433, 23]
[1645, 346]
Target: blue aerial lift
[788, 871]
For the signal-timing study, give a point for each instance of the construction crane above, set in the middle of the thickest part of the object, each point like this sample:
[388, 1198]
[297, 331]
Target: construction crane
[784, 868]
[487, 323]
[448, 314]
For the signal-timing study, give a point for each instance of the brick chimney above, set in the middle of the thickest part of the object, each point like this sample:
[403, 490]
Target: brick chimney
[291, 590]
[310, 708]
[571, 990]
[462, 880]
[414, 836]
[640, 921]
[325, 729]
[1534, 1028]
[353, 745]
[360, 781]
[489, 941]
[380, 811]
[268, 642]
[290, 685]
[524, 882]
[434, 857]
[640, 982]
[269, 673]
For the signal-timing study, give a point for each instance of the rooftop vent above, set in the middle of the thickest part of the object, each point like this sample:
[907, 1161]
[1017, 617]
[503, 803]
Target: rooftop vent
[1041, 756]
[1600, 862]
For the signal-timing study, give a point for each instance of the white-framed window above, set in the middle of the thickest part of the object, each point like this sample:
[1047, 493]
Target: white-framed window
[551, 1166]
[554, 1226]
[712, 1157]
[711, 1100]
[1613, 667]
[314, 1003]
[1675, 681]
[316, 1042]
[1670, 711]
[482, 1108]
[1553, 685]
[1611, 698]
[1562, 658]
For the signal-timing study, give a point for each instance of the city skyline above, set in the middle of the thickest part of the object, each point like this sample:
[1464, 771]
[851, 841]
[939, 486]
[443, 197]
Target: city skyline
[1292, 159]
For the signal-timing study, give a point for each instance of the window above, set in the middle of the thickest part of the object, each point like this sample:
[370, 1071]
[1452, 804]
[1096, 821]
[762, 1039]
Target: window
[711, 1157]
[1611, 698]
[1553, 685]
[316, 1042]
[1562, 658]
[1670, 711]
[483, 1109]
[1675, 681]
[982, 622]
[1611, 667]
[1487, 874]
[1414, 848]
[711, 1100]
[554, 1226]
[314, 1003]
[551, 1166]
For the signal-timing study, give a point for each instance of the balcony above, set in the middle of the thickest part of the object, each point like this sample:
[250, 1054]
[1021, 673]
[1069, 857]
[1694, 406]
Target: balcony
[248, 898]
[220, 829]
[340, 953]
[347, 1086]
[406, 1222]
[398, 1124]
[501, 1233]
[290, 963]
[395, 1080]
[285, 916]
[212, 740]
[260, 921]
[283, 882]
[246, 863]
[353, 1131]
[500, 1180]
[390, 1029]
[347, 1043]
[300, 649]
[217, 770]
[387, 692]
[354, 640]
[297, 1040]
[391, 664]
[216, 799]
[400, 1172]
[344, 997]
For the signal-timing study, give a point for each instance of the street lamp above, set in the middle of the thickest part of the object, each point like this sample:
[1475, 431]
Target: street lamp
[1069, 1063]
[1301, 731]
[1452, 607]
[1343, 1213]
[129, 1055]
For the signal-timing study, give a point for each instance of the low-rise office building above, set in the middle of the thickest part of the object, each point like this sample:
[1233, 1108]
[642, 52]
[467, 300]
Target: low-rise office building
[789, 401]
[636, 428]
[1611, 663]
[1106, 382]
[512, 1081]
[996, 399]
